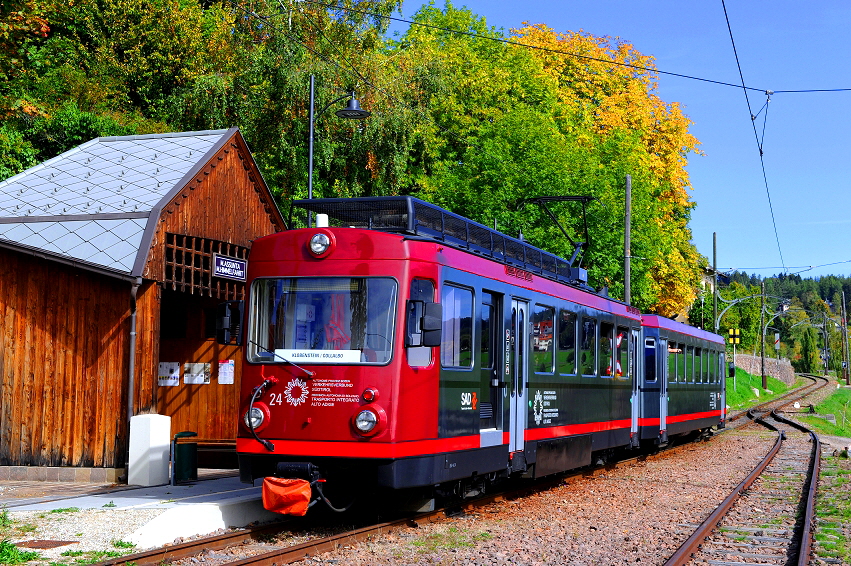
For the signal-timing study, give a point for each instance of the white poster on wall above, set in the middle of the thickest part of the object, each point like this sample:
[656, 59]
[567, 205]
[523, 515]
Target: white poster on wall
[196, 373]
[226, 369]
[169, 374]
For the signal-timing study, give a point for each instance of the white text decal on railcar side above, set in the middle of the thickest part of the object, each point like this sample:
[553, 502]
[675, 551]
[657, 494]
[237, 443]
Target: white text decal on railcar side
[320, 356]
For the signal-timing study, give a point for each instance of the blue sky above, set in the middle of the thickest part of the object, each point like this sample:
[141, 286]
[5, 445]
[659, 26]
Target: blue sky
[782, 45]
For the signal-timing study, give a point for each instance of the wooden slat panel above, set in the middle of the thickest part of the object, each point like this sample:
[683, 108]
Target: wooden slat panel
[64, 364]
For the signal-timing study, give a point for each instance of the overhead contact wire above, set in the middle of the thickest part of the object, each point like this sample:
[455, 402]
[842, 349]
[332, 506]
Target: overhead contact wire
[756, 135]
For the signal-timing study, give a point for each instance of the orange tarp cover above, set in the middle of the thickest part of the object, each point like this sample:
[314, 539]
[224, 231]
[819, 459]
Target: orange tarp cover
[286, 496]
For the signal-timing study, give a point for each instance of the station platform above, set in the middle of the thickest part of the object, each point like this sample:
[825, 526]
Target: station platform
[217, 500]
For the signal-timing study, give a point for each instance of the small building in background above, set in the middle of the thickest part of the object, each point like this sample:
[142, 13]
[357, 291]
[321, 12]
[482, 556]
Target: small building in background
[109, 288]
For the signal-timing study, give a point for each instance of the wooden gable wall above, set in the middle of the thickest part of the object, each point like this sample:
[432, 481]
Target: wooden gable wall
[226, 201]
[63, 364]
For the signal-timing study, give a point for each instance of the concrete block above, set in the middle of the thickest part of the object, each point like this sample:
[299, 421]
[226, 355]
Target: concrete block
[188, 520]
[150, 442]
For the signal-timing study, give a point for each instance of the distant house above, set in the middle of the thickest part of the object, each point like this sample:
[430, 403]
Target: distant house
[107, 282]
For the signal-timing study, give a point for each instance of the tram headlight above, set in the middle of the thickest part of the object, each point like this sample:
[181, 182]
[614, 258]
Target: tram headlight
[319, 243]
[366, 421]
[254, 418]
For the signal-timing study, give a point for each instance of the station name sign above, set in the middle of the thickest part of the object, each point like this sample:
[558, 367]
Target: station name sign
[229, 267]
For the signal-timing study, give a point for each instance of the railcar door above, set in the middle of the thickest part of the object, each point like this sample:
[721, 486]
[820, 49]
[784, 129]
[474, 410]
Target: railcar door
[663, 363]
[636, 375]
[518, 335]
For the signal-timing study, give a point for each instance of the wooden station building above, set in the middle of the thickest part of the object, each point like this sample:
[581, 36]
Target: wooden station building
[109, 288]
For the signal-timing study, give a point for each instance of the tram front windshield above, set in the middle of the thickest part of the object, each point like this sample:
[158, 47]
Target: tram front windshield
[326, 320]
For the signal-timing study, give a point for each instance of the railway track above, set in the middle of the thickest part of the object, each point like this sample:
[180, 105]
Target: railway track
[787, 398]
[255, 540]
[768, 518]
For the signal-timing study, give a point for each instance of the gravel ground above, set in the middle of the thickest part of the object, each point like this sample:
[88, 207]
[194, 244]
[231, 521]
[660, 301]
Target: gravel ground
[637, 513]
[634, 513]
[97, 533]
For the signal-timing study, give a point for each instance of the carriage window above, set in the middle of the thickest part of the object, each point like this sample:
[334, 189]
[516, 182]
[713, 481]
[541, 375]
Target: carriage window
[673, 351]
[713, 367]
[587, 347]
[605, 360]
[486, 339]
[681, 363]
[542, 339]
[567, 342]
[421, 290]
[649, 360]
[622, 353]
[698, 365]
[456, 346]
[689, 364]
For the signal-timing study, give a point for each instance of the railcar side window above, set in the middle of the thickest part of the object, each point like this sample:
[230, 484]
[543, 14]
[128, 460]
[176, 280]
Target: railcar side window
[567, 342]
[713, 366]
[681, 362]
[606, 351]
[421, 290]
[698, 365]
[588, 347]
[486, 340]
[542, 338]
[456, 346]
[650, 360]
[622, 353]
[689, 364]
[673, 354]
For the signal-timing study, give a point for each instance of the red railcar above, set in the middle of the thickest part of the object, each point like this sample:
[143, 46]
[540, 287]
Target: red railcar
[397, 349]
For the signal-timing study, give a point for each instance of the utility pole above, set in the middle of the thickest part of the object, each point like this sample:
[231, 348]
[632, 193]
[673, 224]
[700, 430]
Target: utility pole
[762, 337]
[627, 235]
[845, 373]
[715, 280]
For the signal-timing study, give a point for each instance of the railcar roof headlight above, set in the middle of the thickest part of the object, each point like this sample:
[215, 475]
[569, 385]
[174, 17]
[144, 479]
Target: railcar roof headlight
[319, 243]
[366, 421]
[254, 418]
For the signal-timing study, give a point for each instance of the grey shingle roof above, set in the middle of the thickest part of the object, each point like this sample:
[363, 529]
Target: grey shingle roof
[91, 204]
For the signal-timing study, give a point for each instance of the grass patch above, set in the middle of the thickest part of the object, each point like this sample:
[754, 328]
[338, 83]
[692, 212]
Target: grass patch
[123, 544]
[838, 405]
[65, 510]
[91, 556]
[742, 396]
[11, 554]
[451, 538]
[833, 507]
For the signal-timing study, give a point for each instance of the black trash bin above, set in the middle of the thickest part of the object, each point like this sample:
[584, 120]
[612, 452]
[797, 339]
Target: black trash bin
[184, 465]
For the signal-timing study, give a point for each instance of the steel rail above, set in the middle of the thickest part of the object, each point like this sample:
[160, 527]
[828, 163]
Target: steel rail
[815, 385]
[811, 489]
[684, 554]
[186, 549]
[692, 544]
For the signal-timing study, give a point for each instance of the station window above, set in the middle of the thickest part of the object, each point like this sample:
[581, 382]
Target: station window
[588, 347]
[650, 360]
[421, 290]
[456, 346]
[566, 342]
[674, 353]
[606, 351]
[542, 338]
